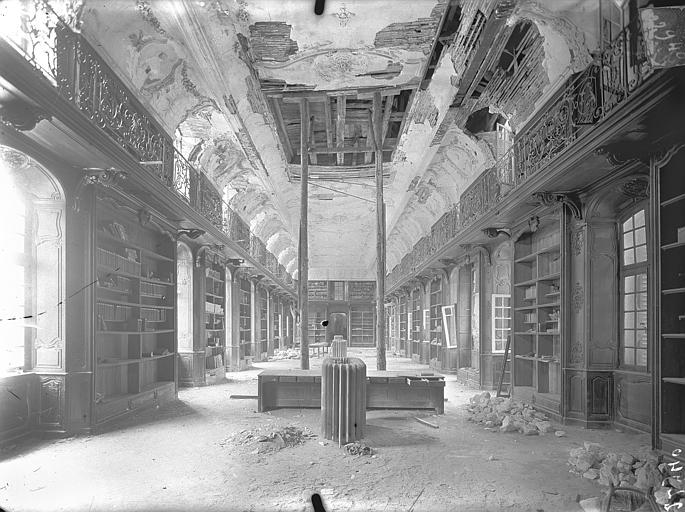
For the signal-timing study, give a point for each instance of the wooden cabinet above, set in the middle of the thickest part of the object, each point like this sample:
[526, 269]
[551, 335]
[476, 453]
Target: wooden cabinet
[135, 334]
[537, 315]
[670, 305]
[215, 321]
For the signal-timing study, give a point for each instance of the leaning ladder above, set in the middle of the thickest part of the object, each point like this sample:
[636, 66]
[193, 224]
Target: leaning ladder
[505, 371]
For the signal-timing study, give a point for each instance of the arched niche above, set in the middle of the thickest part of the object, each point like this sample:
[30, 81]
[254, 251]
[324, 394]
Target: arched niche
[32, 206]
[184, 297]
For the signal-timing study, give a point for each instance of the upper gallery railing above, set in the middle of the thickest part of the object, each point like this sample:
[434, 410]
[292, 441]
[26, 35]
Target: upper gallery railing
[585, 99]
[83, 78]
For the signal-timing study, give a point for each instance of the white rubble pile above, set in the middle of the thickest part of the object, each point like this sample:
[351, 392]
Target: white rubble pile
[288, 353]
[508, 415]
[641, 470]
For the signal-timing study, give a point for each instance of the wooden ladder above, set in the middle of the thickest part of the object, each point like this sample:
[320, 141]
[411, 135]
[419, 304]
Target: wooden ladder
[505, 371]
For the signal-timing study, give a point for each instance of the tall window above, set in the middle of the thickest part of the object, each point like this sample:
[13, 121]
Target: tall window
[31, 265]
[14, 270]
[501, 321]
[633, 350]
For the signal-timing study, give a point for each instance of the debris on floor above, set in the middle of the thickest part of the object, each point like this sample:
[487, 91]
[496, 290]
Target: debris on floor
[288, 353]
[421, 420]
[507, 415]
[269, 441]
[642, 470]
[358, 449]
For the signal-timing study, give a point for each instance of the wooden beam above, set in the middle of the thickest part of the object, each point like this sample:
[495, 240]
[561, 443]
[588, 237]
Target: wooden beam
[329, 122]
[323, 150]
[341, 107]
[280, 123]
[377, 129]
[303, 256]
[386, 117]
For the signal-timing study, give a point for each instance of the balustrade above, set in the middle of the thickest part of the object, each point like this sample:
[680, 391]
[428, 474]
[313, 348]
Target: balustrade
[82, 77]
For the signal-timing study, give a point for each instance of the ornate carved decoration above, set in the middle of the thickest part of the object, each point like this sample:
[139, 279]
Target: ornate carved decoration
[637, 188]
[495, 232]
[577, 352]
[21, 116]
[577, 241]
[577, 297]
[617, 157]
[665, 156]
[109, 177]
[344, 15]
[51, 400]
[144, 216]
[568, 199]
[191, 233]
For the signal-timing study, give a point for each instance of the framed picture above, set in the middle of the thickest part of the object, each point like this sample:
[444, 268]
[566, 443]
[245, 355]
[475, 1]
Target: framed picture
[448, 322]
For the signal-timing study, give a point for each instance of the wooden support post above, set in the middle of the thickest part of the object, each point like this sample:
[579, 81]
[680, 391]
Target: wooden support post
[341, 107]
[303, 257]
[380, 234]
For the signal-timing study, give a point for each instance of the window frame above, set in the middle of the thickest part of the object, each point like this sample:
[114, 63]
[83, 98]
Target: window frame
[494, 317]
[628, 270]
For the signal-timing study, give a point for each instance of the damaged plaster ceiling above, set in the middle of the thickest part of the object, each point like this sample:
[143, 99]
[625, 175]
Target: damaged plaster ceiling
[224, 77]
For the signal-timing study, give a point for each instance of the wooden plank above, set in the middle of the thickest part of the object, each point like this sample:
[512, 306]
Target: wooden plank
[329, 122]
[280, 123]
[341, 107]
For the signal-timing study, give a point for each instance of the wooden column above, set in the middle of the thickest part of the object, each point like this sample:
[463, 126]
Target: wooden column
[303, 256]
[380, 234]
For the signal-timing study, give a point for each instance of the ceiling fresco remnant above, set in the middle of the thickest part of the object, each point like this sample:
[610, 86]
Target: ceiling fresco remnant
[223, 77]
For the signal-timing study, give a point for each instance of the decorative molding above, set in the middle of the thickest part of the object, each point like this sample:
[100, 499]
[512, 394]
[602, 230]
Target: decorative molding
[568, 199]
[22, 116]
[662, 158]
[577, 298]
[144, 216]
[495, 232]
[636, 188]
[577, 352]
[109, 177]
[617, 156]
[344, 15]
[577, 241]
[191, 233]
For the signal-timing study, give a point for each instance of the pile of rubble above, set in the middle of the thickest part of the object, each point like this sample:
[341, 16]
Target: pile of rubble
[642, 470]
[270, 441]
[508, 415]
[288, 353]
[358, 449]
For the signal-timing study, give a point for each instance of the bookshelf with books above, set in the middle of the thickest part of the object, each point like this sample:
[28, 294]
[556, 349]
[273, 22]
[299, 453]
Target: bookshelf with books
[215, 321]
[361, 326]
[669, 219]
[245, 318]
[134, 331]
[537, 316]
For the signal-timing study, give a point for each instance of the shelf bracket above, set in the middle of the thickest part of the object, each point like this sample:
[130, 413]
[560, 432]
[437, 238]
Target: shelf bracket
[95, 176]
[569, 199]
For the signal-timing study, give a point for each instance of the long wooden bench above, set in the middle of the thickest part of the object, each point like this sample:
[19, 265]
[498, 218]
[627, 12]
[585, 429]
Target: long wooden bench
[384, 390]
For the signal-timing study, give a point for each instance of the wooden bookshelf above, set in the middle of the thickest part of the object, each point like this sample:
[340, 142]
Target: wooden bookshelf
[245, 318]
[135, 332]
[316, 331]
[670, 305]
[361, 326]
[537, 296]
[215, 321]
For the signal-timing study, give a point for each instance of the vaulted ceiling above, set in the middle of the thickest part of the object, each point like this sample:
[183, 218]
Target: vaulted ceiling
[225, 78]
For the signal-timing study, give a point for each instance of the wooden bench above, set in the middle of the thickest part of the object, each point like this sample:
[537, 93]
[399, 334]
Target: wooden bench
[384, 390]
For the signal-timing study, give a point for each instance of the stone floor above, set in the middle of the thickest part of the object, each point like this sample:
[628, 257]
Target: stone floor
[180, 457]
